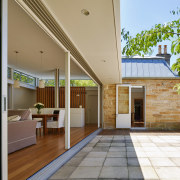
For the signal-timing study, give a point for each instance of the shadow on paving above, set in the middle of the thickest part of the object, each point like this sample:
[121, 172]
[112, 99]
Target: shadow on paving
[105, 157]
[124, 154]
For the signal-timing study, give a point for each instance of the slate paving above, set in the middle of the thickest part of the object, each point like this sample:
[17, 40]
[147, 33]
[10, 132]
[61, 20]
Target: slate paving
[135, 156]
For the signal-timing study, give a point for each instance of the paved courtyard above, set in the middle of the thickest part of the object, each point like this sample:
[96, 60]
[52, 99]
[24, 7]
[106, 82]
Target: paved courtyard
[132, 156]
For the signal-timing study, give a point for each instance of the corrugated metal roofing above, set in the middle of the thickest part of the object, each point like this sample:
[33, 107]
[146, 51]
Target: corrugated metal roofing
[146, 68]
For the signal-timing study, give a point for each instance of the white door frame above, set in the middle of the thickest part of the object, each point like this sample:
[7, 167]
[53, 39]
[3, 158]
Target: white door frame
[67, 100]
[123, 120]
[4, 137]
[144, 106]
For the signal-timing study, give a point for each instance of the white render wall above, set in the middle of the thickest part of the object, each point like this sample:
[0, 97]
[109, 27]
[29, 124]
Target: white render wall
[91, 110]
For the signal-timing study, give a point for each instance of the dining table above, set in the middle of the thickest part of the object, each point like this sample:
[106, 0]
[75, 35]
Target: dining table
[45, 117]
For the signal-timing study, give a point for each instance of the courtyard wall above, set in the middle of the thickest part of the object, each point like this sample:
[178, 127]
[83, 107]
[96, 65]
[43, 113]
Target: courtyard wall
[162, 104]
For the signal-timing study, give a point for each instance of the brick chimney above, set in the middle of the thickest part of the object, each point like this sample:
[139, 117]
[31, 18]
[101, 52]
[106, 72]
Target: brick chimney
[165, 54]
[165, 49]
[159, 49]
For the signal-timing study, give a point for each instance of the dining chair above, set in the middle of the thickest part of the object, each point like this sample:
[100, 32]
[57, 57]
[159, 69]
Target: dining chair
[53, 118]
[57, 124]
[55, 112]
[38, 126]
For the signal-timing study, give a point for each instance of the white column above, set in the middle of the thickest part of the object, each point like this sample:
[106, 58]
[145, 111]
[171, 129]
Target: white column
[67, 100]
[57, 88]
[99, 104]
[4, 139]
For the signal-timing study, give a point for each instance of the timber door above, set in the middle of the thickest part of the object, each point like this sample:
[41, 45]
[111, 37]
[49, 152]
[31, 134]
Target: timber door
[123, 106]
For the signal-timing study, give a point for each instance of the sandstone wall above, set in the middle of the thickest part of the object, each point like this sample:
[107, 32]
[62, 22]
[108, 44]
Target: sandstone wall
[162, 104]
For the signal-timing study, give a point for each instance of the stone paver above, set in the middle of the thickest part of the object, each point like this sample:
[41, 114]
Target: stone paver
[117, 154]
[176, 161]
[97, 154]
[92, 162]
[132, 156]
[86, 172]
[114, 172]
[115, 162]
[162, 162]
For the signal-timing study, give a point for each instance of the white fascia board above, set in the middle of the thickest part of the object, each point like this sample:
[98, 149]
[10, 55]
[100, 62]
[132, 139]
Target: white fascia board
[117, 26]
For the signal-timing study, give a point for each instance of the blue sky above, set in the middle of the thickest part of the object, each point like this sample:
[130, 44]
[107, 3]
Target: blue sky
[138, 15]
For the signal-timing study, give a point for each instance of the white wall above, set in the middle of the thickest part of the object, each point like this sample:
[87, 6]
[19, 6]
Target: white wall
[23, 98]
[91, 110]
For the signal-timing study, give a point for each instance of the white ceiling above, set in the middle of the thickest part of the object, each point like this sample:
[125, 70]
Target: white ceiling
[25, 36]
[93, 35]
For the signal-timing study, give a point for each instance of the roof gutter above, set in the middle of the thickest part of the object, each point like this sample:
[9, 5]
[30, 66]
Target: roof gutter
[151, 78]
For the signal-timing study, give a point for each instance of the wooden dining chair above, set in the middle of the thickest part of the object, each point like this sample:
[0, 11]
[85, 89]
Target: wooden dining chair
[57, 124]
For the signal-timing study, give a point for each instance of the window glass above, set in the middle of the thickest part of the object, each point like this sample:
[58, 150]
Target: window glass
[24, 78]
[9, 73]
[76, 83]
[123, 100]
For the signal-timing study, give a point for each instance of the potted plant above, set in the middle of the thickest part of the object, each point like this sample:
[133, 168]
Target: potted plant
[39, 106]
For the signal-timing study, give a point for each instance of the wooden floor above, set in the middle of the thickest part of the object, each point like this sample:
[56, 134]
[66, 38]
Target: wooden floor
[25, 162]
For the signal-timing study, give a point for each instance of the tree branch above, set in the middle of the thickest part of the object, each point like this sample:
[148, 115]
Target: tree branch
[165, 33]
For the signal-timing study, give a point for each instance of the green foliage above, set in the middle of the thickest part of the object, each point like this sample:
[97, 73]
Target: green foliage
[175, 49]
[177, 88]
[176, 66]
[49, 82]
[9, 73]
[144, 41]
[39, 105]
[24, 78]
[16, 76]
[77, 83]
[84, 83]
[175, 12]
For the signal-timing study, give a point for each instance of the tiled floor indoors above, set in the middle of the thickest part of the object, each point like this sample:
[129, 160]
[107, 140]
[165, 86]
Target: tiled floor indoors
[132, 156]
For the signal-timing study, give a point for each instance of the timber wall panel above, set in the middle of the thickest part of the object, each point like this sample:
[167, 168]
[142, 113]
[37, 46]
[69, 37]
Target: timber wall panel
[47, 97]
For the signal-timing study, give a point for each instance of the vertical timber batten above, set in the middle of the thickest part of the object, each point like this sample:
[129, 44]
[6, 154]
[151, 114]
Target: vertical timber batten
[67, 100]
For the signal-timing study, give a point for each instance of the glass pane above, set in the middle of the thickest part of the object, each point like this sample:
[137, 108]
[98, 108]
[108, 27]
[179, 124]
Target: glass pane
[123, 100]
[9, 73]
[24, 78]
[16, 75]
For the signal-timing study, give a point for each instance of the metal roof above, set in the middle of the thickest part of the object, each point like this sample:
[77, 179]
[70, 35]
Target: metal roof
[146, 68]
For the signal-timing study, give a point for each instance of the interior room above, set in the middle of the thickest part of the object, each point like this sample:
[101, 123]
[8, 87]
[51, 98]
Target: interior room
[137, 107]
[36, 73]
